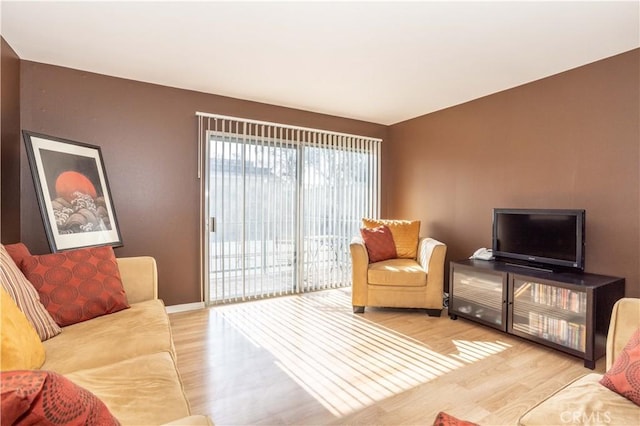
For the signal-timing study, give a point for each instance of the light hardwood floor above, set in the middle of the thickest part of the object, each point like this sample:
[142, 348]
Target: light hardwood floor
[308, 360]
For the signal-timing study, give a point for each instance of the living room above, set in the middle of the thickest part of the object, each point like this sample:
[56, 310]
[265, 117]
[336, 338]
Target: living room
[568, 140]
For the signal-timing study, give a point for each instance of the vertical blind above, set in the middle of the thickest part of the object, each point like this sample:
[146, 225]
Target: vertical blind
[280, 205]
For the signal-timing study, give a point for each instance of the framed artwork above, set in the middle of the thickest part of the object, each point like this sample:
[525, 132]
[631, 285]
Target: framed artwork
[73, 192]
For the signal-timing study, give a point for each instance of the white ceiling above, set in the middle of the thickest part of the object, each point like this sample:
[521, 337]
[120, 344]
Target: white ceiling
[382, 62]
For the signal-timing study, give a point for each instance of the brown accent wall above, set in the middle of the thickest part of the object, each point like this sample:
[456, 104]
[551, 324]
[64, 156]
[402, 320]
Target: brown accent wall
[568, 141]
[9, 145]
[148, 137]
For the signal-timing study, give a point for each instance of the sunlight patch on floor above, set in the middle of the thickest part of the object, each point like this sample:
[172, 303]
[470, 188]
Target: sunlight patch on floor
[343, 360]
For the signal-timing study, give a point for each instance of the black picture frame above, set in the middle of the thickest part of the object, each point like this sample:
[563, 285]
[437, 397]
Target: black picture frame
[73, 192]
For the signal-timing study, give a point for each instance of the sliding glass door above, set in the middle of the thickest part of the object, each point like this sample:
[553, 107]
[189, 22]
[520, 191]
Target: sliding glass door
[335, 188]
[280, 208]
[252, 204]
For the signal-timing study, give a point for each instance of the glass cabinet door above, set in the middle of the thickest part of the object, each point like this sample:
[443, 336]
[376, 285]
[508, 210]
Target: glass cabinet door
[478, 295]
[549, 313]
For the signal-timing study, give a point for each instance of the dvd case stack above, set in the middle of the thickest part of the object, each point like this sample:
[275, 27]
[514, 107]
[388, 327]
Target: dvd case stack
[554, 325]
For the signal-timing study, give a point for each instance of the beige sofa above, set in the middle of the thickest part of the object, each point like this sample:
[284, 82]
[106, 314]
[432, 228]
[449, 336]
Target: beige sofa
[585, 401]
[399, 283]
[127, 359]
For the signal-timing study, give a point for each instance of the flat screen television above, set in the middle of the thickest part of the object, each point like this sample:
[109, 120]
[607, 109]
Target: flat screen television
[546, 238]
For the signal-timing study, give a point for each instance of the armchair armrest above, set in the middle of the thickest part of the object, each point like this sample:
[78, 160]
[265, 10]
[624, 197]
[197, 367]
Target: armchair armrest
[139, 278]
[359, 271]
[431, 256]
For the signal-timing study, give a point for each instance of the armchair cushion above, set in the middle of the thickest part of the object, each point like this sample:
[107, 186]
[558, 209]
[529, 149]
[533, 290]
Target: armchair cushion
[379, 243]
[405, 233]
[397, 272]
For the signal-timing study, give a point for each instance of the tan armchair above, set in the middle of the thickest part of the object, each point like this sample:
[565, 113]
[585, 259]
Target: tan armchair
[399, 283]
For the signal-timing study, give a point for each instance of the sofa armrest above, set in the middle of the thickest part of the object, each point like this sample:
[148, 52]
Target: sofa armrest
[139, 278]
[359, 271]
[431, 256]
[625, 318]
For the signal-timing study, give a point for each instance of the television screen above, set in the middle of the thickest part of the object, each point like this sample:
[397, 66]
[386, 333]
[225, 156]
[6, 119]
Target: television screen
[540, 237]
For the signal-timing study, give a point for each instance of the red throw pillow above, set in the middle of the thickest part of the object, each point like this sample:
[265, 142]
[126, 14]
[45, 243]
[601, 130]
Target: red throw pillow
[444, 419]
[77, 285]
[18, 252]
[379, 243]
[47, 398]
[624, 375]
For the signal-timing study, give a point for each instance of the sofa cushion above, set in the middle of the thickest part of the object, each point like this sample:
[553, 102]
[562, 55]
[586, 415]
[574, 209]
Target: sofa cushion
[142, 329]
[379, 243]
[406, 234]
[77, 285]
[26, 297]
[142, 390]
[37, 397]
[397, 272]
[583, 401]
[624, 375]
[21, 348]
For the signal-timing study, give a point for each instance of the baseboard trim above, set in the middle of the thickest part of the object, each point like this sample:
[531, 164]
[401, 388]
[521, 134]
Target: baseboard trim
[184, 307]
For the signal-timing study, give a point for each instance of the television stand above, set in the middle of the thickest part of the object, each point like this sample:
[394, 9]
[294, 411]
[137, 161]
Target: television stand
[567, 311]
[535, 268]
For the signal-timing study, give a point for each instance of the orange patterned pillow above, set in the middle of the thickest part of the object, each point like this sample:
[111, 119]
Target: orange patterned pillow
[379, 243]
[406, 234]
[18, 252]
[47, 398]
[444, 419]
[77, 285]
[624, 375]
